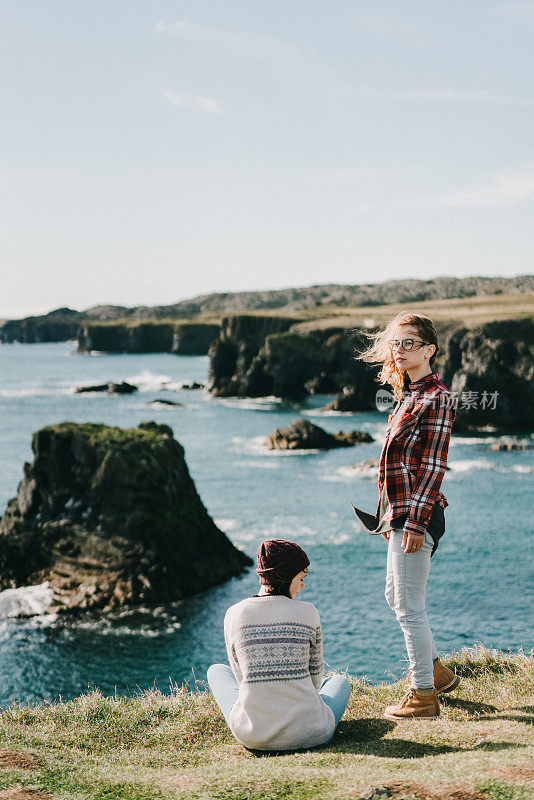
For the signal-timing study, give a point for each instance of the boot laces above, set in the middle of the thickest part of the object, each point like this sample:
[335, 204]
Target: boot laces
[407, 697]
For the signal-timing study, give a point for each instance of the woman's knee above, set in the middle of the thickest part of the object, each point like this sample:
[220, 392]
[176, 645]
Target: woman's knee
[337, 686]
[389, 594]
[216, 670]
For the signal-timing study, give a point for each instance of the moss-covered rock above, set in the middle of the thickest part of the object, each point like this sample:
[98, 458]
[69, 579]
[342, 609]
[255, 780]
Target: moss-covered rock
[110, 517]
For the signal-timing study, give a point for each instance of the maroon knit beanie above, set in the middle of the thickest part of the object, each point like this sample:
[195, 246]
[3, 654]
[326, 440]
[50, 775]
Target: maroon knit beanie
[279, 561]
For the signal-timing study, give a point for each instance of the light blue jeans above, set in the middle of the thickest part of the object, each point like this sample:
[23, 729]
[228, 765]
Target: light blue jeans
[335, 691]
[406, 578]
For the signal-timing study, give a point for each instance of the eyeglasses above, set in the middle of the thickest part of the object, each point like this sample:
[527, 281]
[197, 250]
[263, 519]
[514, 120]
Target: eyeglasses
[407, 344]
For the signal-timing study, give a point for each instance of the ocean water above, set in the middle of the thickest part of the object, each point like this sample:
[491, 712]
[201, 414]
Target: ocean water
[480, 586]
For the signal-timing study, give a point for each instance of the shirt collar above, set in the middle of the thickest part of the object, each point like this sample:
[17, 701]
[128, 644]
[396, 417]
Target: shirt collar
[430, 378]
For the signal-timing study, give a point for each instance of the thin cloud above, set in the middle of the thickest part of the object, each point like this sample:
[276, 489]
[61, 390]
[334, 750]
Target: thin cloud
[250, 44]
[202, 105]
[509, 187]
[481, 96]
[254, 46]
[520, 8]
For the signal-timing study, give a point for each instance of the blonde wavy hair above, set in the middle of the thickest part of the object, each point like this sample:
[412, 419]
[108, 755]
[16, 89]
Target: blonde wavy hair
[379, 351]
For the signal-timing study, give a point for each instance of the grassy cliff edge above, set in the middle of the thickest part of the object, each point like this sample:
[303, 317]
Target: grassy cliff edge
[155, 746]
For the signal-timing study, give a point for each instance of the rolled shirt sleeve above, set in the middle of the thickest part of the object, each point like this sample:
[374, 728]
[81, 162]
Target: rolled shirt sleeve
[435, 433]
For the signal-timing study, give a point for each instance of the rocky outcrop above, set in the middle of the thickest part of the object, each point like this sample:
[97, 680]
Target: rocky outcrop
[237, 365]
[56, 326]
[304, 435]
[193, 386]
[272, 357]
[147, 337]
[110, 387]
[111, 517]
[490, 371]
[126, 337]
[160, 402]
[489, 368]
[350, 399]
[193, 339]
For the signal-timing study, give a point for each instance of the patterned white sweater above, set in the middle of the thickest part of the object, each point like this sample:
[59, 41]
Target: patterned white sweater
[275, 649]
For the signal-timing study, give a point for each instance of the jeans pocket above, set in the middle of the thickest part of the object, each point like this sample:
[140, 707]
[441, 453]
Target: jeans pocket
[428, 543]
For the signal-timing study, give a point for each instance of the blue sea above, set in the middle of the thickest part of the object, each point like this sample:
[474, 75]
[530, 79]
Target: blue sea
[481, 578]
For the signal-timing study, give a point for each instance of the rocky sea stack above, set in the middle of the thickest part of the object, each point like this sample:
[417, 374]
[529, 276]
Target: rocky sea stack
[111, 517]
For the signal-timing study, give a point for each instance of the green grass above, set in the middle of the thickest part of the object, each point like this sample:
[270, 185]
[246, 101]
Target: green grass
[155, 746]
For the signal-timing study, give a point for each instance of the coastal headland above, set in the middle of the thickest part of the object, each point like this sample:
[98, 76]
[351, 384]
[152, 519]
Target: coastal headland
[299, 342]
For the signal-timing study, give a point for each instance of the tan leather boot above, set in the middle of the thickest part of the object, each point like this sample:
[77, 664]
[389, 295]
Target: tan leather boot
[413, 706]
[445, 680]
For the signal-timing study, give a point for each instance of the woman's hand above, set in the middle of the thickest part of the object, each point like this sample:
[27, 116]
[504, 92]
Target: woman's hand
[386, 535]
[412, 542]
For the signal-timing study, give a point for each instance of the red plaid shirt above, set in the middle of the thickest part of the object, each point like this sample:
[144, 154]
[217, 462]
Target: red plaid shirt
[414, 453]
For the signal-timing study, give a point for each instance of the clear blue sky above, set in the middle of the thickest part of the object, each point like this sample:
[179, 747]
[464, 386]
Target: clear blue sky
[154, 150]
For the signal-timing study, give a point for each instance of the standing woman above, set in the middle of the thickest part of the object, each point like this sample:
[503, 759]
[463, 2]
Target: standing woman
[410, 513]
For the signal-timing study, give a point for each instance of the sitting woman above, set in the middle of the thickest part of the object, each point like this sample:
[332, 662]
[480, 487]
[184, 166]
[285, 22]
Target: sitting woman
[274, 696]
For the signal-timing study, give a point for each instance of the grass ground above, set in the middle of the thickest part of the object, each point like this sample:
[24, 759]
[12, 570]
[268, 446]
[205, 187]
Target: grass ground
[469, 311]
[154, 746]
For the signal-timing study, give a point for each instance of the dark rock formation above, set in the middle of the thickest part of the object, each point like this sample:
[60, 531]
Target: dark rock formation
[56, 326]
[192, 386]
[497, 357]
[350, 399]
[111, 517]
[136, 336]
[511, 446]
[237, 367]
[121, 388]
[112, 388]
[304, 435]
[193, 339]
[274, 358]
[126, 337]
[162, 402]
[475, 363]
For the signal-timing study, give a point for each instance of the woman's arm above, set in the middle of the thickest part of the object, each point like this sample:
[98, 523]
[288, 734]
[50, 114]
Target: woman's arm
[230, 649]
[435, 433]
[316, 655]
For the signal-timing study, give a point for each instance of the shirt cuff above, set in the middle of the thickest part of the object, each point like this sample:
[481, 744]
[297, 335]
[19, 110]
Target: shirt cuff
[417, 528]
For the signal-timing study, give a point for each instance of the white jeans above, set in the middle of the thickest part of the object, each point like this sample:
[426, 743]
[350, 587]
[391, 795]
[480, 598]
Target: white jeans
[406, 579]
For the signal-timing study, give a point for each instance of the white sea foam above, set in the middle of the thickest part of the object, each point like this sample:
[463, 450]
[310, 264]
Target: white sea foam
[227, 525]
[26, 601]
[493, 439]
[259, 464]
[163, 406]
[36, 391]
[317, 412]
[485, 463]
[251, 403]
[256, 445]
[347, 473]
[147, 381]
